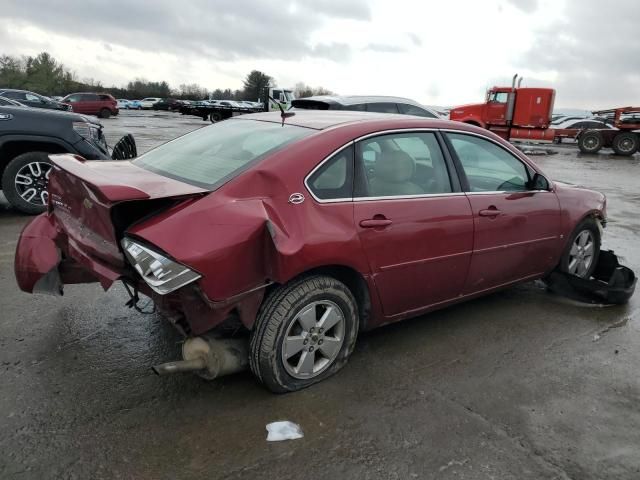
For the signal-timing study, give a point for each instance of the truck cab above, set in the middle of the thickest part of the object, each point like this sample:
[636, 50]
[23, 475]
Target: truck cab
[507, 107]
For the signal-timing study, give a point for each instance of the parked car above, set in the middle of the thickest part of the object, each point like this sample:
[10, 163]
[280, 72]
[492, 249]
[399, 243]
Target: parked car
[303, 230]
[102, 105]
[124, 104]
[569, 129]
[31, 99]
[168, 104]
[149, 102]
[376, 104]
[27, 137]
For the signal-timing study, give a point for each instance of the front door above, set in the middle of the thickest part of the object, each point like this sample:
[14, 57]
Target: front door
[516, 229]
[415, 228]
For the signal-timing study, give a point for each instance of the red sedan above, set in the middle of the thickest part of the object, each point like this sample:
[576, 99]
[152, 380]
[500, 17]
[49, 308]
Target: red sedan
[304, 231]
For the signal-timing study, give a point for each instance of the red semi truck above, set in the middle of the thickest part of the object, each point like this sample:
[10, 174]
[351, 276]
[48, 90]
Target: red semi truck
[524, 114]
[514, 113]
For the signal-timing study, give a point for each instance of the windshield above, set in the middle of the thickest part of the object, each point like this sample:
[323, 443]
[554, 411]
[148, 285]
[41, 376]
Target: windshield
[213, 155]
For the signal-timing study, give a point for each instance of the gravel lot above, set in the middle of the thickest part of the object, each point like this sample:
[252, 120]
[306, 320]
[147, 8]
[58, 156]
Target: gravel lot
[521, 384]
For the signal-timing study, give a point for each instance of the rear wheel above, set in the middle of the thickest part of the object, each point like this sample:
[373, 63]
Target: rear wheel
[626, 143]
[215, 117]
[105, 113]
[304, 333]
[590, 142]
[582, 252]
[25, 182]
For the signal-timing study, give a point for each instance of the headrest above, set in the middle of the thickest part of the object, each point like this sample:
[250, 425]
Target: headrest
[395, 167]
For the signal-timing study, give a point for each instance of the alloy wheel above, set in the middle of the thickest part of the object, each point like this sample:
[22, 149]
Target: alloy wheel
[31, 182]
[313, 339]
[581, 254]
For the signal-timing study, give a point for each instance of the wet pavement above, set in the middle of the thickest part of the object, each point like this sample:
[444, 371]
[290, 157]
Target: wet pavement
[521, 384]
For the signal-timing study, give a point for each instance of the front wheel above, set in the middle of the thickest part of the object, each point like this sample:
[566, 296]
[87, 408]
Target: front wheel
[582, 252]
[304, 333]
[25, 182]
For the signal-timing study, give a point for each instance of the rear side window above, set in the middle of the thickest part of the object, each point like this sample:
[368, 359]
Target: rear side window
[334, 179]
[488, 167]
[382, 107]
[403, 164]
[408, 109]
[210, 156]
[14, 95]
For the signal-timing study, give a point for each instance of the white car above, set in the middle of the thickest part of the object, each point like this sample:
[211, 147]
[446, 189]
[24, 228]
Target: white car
[149, 102]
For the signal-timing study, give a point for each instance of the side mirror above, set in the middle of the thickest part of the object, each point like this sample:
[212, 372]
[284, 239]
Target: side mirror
[539, 182]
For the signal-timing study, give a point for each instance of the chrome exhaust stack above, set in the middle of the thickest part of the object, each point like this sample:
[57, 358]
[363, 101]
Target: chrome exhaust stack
[209, 357]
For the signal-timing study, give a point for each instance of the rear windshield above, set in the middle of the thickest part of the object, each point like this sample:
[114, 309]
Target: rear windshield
[212, 155]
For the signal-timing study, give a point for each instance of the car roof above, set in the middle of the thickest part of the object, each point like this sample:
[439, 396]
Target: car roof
[323, 119]
[357, 99]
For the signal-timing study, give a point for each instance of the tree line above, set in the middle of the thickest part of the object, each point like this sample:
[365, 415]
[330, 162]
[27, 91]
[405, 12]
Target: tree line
[45, 75]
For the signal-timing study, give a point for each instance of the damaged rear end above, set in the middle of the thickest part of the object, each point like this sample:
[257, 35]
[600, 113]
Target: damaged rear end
[91, 205]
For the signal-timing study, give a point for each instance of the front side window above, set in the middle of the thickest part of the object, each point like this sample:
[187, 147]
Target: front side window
[210, 156]
[499, 97]
[334, 179]
[30, 97]
[401, 164]
[408, 109]
[488, 167]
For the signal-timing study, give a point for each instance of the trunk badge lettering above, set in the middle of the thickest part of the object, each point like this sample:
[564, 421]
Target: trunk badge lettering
[5, 116]
[296, 198]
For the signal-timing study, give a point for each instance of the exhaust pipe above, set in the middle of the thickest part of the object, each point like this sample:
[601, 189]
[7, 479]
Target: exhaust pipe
[520, 82]
[513, 82]
[209, 357]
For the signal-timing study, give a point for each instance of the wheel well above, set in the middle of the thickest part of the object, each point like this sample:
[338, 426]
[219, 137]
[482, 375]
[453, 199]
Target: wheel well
[354, 281]
[11, 150]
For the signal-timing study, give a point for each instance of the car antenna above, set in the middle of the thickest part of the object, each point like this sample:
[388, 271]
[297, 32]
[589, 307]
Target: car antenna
[283, 114]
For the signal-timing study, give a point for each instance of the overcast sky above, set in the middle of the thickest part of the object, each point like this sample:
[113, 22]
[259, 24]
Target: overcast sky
[438, 53]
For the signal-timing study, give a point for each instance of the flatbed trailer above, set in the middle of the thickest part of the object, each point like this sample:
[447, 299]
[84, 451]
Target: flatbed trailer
[624, 141]
[216, 113]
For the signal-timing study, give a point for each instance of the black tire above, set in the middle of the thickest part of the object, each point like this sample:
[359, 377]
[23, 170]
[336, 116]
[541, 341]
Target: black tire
[105, 113]
[626, 143]
[590, 141]
[10, 188]
[279, 312]
[590, 225]
[215, 117]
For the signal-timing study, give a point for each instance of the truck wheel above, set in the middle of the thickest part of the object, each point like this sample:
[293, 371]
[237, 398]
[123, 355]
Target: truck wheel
[581, 254]
[25, 182]
[304, 333]
[625, 143]
[215, 117]
[590, 142]
[105, 113]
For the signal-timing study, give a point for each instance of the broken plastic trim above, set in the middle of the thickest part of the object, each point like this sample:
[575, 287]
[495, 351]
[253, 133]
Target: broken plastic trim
[611, 282]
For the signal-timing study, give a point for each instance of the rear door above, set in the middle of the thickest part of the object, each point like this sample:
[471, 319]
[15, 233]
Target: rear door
[516, 229]
[414, 224]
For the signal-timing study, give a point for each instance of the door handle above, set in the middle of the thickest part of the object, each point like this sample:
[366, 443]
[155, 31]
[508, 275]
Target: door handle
[489, 212]
[375, 223]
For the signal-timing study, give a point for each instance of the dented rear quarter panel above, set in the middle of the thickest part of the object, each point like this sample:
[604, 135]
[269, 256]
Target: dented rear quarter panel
[247, 233]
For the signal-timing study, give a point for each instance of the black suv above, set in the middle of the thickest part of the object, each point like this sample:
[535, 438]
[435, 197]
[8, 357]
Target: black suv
[29, 135]
[31, 99]
[362, 103]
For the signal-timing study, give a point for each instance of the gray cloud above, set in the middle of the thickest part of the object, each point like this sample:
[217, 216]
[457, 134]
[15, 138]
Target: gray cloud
[528, 6]
[415, 39]
[221, 30]
[384, 48]
[596, 52]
